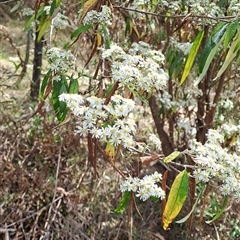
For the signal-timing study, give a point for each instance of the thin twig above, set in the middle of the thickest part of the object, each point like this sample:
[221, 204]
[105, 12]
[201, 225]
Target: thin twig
[35, 213]
[183, 165]
[47, 225]
[225, 18]
[218, 237]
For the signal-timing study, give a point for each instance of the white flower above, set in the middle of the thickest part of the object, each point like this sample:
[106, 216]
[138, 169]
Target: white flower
[93, 17]
[60, 60]
[60, 21]
[201, 175]
[82, 130]
[157, 176]
[130, 184]
[153, 139]
[96, 133]
[139, 68]
[224, 189]
[214, 136]
[237, 196]
[144, 188]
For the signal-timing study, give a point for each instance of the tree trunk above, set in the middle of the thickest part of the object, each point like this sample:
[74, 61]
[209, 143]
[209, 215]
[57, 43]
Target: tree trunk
[167, 145]
[37, 64]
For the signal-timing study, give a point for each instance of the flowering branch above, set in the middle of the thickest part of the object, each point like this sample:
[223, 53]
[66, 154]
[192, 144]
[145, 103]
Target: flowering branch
[225, 18]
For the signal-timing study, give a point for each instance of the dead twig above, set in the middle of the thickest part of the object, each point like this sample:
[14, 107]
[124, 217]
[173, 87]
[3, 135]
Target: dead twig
[47, 224]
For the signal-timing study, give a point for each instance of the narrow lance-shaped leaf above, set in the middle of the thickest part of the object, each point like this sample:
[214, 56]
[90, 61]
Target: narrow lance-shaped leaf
[232, 53]
[16, 7]
[171, 157]
[73, 86]
[80, 30]
[54, 5]
[191, 56]
[110, 151]
[45, 82]
[88, 6]
[43, 28]
[128, 26]
[135, 92]
[193, 208]
[210, 44]
[106, 37]
[220, 212]
[217, 39]
[230, 32]
[33, 18]
[123, 202]
[177, 196]
[60, 107]
[134, 28]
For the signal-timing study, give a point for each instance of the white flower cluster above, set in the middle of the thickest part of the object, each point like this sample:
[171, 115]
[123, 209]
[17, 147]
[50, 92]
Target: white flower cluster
[60, 60]
[231, 133]
[181, 46]
[185, 123]
[154, 140]
[200, 7]
[93, 17]
[216, 163]
[60, 21]
[171, 5]
[234, 7]
[27, 12]
[140, 68]
[230, 129]
[227, 104]
[47, 9]
[144, 188]
[104, 122]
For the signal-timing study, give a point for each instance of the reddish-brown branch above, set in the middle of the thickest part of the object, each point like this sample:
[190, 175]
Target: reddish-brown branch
[167, 145]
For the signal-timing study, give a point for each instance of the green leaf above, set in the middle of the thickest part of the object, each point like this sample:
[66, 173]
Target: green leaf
[155, 199]
[220, 212]
[60, 107]
[32, 19]
[80, 30]
[128, 26]
[123, 202]
[135, 92]
[106, 37]
[171, 157]
[175, 60]
[54, 5]
[216, 41]
[109, 89]
[58, 2]
[45, 82]
[230, 32]
[87, 7]
[232, 53]
[43, 28]
[29, 22]
[193, 208]
[177, 196]
[208, 47]
[73, 88]
[16, 7]
[191, 56]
